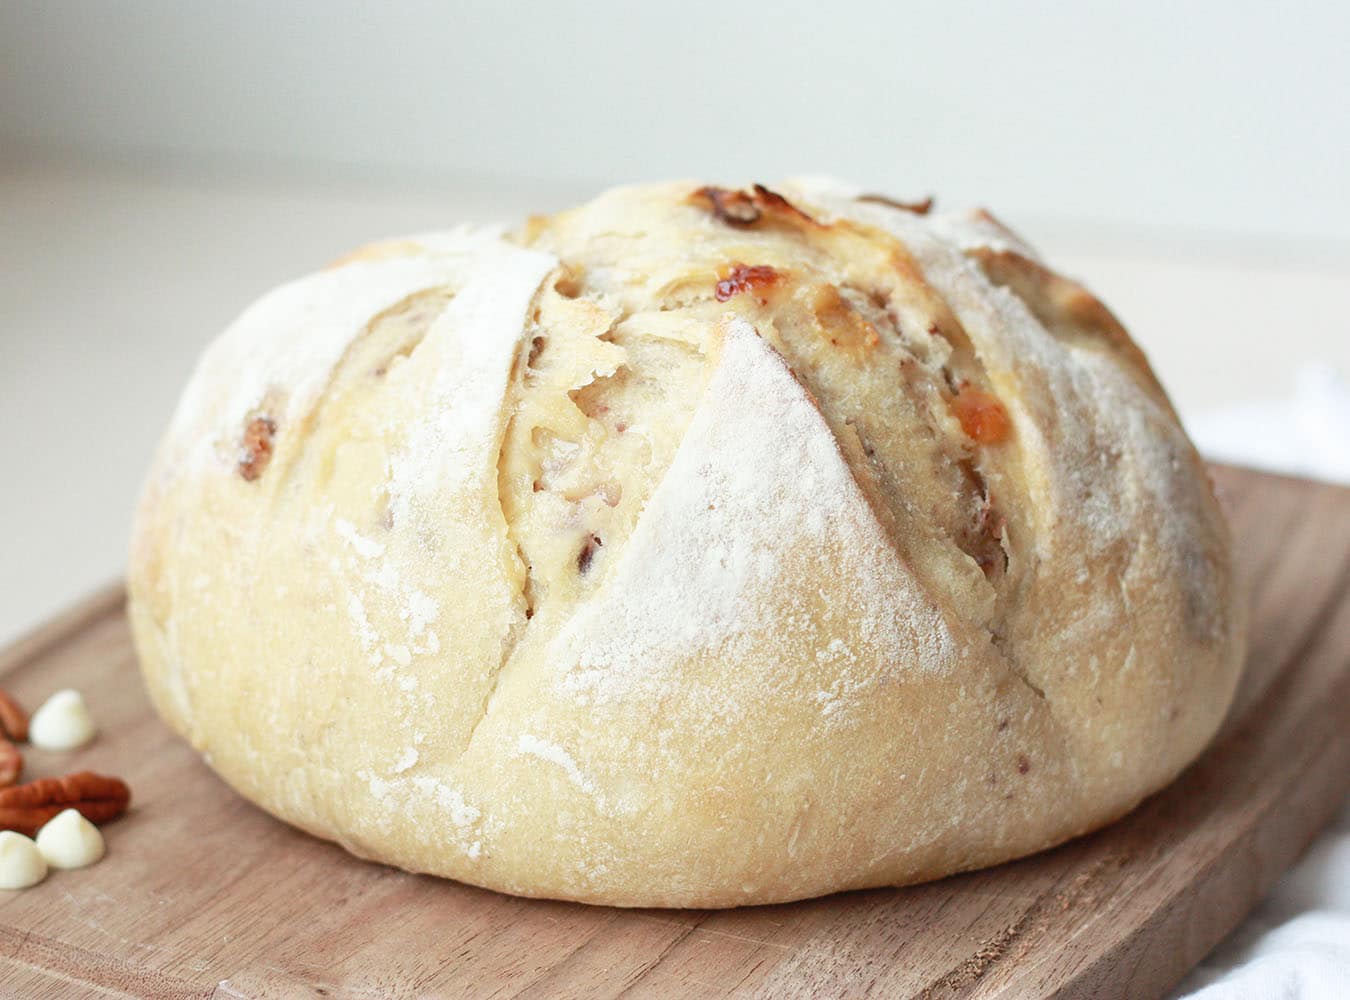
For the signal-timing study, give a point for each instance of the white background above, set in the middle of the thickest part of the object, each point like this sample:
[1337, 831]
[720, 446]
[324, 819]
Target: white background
[1203, 119]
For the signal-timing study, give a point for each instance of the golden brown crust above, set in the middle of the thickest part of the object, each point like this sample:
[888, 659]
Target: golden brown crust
[1065, 308]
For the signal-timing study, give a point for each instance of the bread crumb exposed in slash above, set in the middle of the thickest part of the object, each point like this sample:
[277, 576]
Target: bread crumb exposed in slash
[1098, 406]
[291, 339]
[757, 480]
[451, 449]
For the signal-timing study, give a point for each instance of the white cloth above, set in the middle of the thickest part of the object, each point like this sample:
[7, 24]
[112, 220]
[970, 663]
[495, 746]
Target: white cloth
[1306, 434]
[1296, 944]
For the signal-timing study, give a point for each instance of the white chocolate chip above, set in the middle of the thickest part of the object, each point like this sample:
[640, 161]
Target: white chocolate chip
[21, 863]
[62, 723]
[68, 840]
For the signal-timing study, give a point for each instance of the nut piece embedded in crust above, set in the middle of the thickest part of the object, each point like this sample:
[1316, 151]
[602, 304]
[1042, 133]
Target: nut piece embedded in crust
[255, 450]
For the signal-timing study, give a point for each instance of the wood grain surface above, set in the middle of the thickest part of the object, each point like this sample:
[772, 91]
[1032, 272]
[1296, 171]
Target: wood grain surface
[202, 895]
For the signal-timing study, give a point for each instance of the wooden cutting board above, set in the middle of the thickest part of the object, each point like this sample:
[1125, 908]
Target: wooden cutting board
[204, 895]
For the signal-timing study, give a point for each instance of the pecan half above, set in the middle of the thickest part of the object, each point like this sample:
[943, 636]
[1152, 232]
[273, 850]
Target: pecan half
[13, 719]
[27, 807]
[11, 763]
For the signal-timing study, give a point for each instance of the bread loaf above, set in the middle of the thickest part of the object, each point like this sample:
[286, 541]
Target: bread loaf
[695, 547]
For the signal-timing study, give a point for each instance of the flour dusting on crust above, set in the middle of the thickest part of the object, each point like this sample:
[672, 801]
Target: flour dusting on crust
[282, 350]
[757, 496]
[452, 448]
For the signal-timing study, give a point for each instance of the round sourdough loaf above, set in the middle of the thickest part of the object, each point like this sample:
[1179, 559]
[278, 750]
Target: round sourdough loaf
[695, 547]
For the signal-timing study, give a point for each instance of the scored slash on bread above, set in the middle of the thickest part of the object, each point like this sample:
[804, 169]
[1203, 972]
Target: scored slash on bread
[698, 546]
